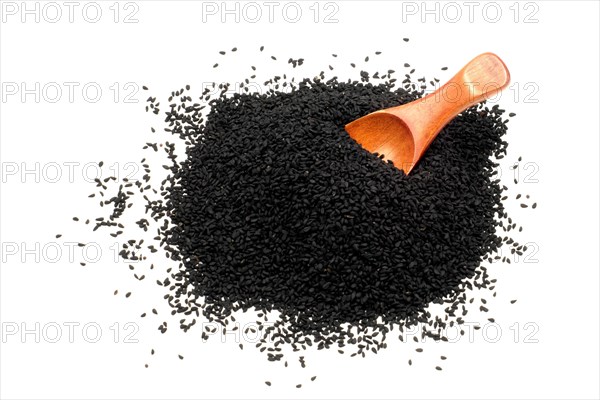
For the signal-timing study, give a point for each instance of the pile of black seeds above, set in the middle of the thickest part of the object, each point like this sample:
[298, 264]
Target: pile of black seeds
[274, 208]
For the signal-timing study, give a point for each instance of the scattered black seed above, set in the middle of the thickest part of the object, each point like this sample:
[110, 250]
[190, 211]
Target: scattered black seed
[180, 357]
[313, 378]
[534, 205]
[216, 65]
[419, 350]
[438, 368]
[144, 87]
[523, 205]
[513, 301]
[405, 39]
[443, 357]
[127, 294]
[298, 386]
[267, 383]
[409, 362]
[58, 236]
[272, 180]
[512, 115]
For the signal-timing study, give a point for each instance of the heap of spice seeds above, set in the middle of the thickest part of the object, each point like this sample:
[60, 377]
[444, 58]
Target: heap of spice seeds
[272, 207]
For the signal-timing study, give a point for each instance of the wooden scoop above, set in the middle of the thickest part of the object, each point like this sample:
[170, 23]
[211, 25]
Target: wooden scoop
[402, 134]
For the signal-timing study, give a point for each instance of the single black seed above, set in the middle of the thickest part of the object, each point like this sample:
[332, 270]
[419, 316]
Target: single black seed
[267, 383]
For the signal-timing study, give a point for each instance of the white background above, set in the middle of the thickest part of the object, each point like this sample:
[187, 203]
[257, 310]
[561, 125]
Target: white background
[553, 60]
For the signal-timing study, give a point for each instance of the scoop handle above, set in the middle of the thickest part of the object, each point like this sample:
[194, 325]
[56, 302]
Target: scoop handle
[481, 78]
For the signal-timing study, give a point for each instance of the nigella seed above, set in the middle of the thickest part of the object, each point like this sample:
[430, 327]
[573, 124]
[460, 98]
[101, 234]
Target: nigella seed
[313, 378]
[267, 383]
[534, 205]
[127, 294]
[438, 368]
[298, 386]
[268, 204]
